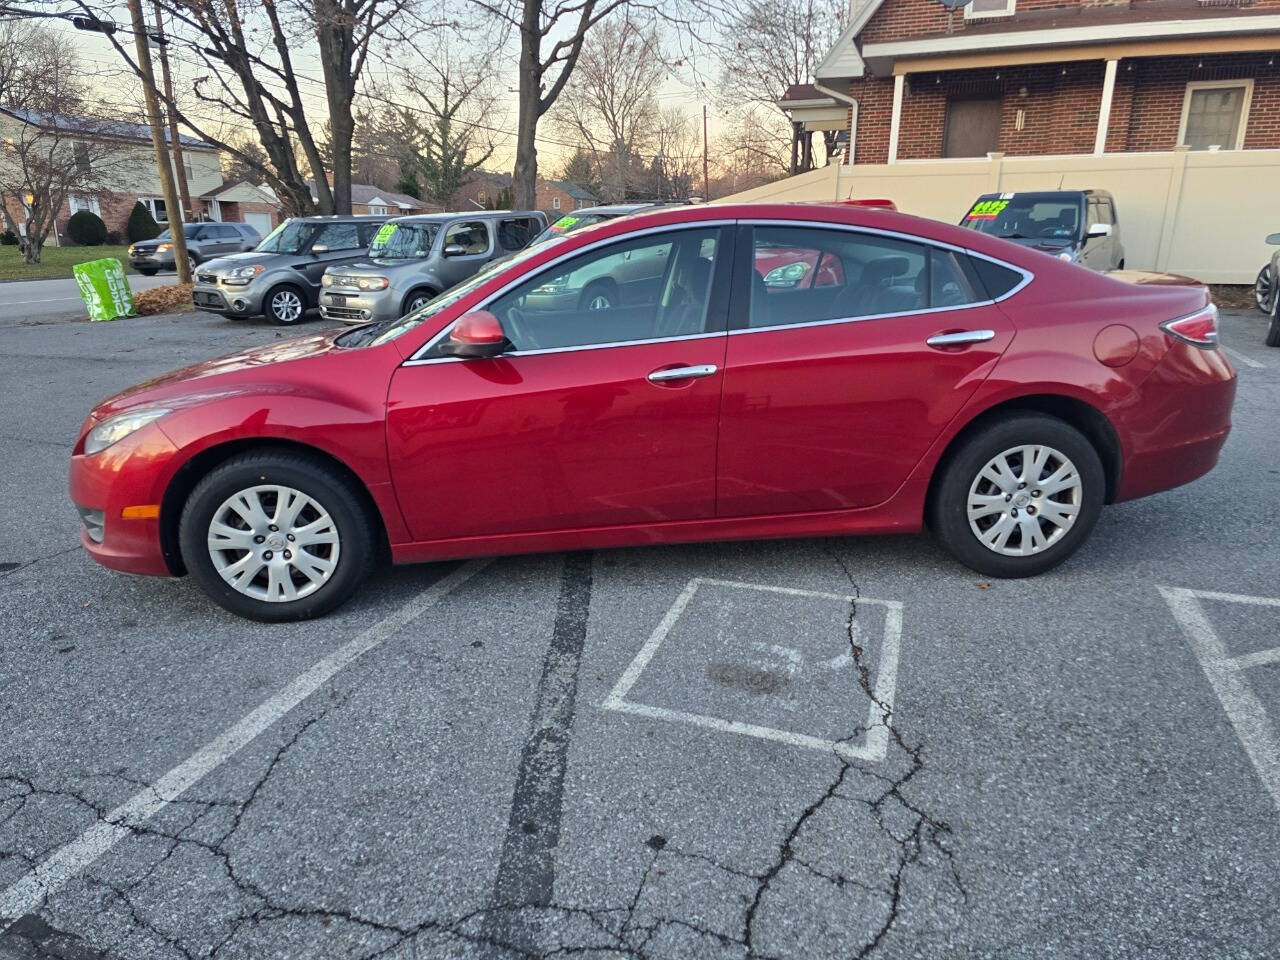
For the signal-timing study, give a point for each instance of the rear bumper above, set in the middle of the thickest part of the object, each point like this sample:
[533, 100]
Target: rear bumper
[1177, 431]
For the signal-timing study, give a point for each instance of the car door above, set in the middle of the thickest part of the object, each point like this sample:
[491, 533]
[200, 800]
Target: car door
[1096, 253]
[837, 378]
[466, 247]
[334, 243]
[593, 418]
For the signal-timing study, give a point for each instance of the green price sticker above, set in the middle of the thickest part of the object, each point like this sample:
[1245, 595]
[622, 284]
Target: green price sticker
[384, 234]
[564, 223]
[104, 289]
[986, 209]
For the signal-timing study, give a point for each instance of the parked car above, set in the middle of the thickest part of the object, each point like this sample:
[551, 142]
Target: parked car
[891, 395]
[1272, 294]
[414, 259]
[590, 216]
[281, 277]
[205, 241]
[1076, 225]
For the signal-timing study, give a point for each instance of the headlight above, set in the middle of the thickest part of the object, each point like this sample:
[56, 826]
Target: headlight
[239, 276]
[117, 428]
[164, 248]
[551, 286]
[1069, 255]
[326, 281]
[792, 273]
[131, 249]
[373, 283]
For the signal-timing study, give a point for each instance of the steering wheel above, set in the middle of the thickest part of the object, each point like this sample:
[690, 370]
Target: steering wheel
[518, 332]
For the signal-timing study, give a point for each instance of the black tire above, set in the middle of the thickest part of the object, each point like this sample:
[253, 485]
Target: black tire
[278, 308]
[147, 272]
[1273, 331]
[599, 295]
[311, 476]
[1264, 289]
[415, 298]
[948, 505]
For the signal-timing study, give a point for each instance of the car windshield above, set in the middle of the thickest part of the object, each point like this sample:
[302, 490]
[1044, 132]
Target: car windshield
[292, 236]
[188, 230]
[383, 331]
[1026, 218]
[403, 241]
[568, 224]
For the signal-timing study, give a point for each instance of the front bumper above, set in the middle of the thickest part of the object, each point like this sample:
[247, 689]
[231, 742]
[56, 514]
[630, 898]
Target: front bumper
[217, 297]
[343, 306]
[131, 473]
[152, 261]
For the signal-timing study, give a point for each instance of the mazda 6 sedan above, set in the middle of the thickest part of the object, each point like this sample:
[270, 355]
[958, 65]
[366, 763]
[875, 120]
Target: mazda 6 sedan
[907, 373]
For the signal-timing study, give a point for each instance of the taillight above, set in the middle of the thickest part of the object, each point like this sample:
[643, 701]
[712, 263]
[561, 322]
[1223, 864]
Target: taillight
[1200, 329]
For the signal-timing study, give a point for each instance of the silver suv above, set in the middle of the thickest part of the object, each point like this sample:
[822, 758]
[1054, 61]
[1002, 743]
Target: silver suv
[413, 259]
[204, 242]
[281, 278]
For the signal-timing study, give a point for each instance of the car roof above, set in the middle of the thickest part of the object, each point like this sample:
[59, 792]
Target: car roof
[469, 214]
[1045, 194]
[617, 209]
[342, 217]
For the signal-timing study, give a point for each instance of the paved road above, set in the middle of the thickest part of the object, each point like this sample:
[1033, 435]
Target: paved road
[38, 300]
[538, 755]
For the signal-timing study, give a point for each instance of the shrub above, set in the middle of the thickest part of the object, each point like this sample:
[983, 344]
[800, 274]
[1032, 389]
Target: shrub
[9, 238]
[141, 226]
[87, 229]
[113, 238]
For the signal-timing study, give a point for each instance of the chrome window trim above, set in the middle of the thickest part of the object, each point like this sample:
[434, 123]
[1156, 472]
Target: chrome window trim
[417, 360]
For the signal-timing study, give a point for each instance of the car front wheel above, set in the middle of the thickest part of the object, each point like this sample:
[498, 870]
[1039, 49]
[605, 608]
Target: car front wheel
[276, 537]
[1018, 496]
[285, 305]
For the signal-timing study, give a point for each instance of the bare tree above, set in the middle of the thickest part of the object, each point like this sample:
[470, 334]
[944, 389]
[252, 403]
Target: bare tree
[54, 147]
[610, 105]
[677, 164]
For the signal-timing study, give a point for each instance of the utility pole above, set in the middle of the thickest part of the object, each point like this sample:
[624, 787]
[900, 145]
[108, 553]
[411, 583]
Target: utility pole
[172, 205]
[175, 139]
[706, 177]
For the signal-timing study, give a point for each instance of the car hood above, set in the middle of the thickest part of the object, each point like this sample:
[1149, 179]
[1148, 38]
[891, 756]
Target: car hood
[241, 259]
[1043, 244]
[219, 377]
[144, 245]
[378, 265]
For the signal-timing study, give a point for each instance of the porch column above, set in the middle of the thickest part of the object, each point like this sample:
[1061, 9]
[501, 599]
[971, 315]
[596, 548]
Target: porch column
[899, 85]
[1104, 109]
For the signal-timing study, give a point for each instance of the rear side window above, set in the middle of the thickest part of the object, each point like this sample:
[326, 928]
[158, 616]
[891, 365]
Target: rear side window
[995, 279]
[808, 275]
[472, 235]
[515, 233]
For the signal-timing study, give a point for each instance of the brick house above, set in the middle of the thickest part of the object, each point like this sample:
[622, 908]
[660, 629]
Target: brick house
[368, 199]
[554, 197]
[126, 173]
[907, 80]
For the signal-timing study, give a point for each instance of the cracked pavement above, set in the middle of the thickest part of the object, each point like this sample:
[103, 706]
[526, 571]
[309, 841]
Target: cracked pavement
[1060, 780]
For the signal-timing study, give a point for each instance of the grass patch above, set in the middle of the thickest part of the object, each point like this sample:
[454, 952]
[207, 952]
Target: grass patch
[55, 261]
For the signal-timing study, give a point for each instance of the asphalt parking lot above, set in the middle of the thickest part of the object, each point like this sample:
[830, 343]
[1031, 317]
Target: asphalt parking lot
[793, 749]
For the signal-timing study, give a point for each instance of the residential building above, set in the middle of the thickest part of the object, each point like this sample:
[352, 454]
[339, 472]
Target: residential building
[486, 188]
[1171, 105]
[368, 199]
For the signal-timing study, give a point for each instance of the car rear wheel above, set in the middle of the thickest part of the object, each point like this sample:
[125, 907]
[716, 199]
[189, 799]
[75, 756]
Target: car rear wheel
[285, 304]
[1264, 289]
[147, 272]
[276, 537]
[599, 295]
[1273, 332]
[1019, 496]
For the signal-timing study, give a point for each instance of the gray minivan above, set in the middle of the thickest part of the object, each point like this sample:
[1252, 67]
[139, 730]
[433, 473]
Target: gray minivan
[413, 259]
[281, 278]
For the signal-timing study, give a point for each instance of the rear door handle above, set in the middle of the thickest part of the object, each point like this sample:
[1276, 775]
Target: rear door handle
[961, 337]
[682, 373]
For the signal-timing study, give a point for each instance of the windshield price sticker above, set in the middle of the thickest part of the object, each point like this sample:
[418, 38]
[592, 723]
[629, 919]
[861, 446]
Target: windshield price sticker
[384, 234]
[564, 223]
[987, 209]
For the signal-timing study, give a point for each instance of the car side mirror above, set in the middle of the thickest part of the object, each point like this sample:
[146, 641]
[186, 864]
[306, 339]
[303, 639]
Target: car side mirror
[1099, 230]
[1274, 239]
[454, 250]
[318, 248]
[476, 334]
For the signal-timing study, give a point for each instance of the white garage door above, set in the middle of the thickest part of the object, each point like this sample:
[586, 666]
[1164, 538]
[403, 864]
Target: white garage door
[259, 221]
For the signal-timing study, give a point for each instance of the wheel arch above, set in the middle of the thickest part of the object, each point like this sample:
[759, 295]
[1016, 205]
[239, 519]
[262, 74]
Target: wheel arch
[1085, 417]
[424, 285]
[198, 466]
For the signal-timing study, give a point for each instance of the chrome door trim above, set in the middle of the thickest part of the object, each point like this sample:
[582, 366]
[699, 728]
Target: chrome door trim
[960, 338]
[682, 373]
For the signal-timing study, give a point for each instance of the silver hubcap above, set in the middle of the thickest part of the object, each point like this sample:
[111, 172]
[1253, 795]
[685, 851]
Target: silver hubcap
[417, 303]
[598, 302]
[273, 543]
[1024, 500]
[286, 306]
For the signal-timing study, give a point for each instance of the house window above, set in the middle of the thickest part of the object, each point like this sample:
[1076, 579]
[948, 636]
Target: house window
[85, 203]
[1215, 114]
[155, 207]
[377, 210]
[555, 203]
[83, 164]
[988, 8]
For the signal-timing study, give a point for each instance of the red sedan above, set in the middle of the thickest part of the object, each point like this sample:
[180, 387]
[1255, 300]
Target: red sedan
[933, 375]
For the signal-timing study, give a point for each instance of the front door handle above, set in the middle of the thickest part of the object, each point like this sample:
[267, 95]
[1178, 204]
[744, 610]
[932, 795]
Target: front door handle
[682, 373]
[960, 338]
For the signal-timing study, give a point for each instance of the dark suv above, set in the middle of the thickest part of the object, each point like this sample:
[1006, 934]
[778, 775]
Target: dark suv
[281, 278]
[204, 242]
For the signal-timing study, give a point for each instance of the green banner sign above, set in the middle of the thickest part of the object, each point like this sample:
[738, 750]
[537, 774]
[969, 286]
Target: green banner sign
[104, 289]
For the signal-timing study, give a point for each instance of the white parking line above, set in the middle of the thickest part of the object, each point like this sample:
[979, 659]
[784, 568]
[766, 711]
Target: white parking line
[1247, 361]
[31, 891]
[876, 744]
[1226, 675]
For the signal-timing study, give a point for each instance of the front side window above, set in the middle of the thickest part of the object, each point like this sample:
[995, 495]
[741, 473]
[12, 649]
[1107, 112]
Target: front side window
[471, 235]
[1214, 115]
[808, 275]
